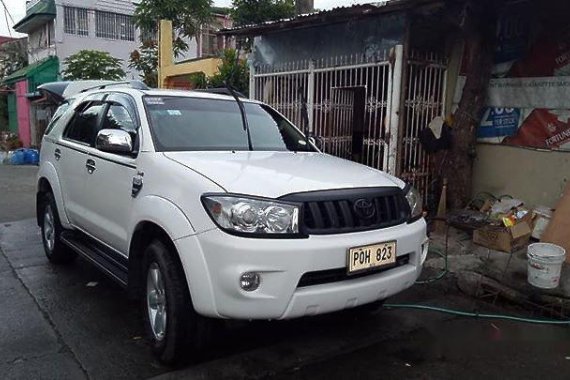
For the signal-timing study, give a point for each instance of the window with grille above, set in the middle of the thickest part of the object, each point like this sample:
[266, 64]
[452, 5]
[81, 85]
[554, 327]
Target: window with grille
[75, 21]
[209, 42]
[114, 26]
[149, 35]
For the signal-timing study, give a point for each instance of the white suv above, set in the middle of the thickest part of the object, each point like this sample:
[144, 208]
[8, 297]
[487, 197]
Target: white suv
[207, 206]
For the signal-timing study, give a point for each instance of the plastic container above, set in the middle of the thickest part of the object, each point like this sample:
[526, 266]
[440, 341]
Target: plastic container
[18, 157]
[545, 264]
[543, 216]
[31, 157]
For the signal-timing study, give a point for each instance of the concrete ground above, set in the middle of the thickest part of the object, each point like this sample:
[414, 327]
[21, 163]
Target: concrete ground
[504, 274]
[17, 192]
[71, 322]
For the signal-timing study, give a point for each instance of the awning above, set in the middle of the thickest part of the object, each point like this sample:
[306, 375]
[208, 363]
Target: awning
[37, 15]
[30, 70]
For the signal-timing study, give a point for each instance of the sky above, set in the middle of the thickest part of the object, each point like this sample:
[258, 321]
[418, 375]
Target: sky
[17, 8]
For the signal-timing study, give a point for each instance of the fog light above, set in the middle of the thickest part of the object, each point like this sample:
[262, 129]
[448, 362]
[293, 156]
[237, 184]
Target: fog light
[249, 281]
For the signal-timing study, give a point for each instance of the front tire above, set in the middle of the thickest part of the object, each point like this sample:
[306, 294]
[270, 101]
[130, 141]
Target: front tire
[51, 229]
[176, 332]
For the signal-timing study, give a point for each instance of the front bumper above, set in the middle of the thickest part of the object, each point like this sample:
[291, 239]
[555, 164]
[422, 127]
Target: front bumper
[214, 261]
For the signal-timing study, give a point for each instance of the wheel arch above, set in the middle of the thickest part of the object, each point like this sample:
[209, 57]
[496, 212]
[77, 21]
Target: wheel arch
[48, 181]
[43, 188]
[144, 233]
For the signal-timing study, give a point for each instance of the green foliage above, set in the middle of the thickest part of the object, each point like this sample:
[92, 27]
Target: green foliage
[247, 12]
[92, 64]
[145, 60]
[186, 15]
[198, 80]
[13, 57]
[232, 70]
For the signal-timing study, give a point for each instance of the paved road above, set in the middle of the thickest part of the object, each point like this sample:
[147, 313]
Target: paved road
[17, 192]
[73, 323]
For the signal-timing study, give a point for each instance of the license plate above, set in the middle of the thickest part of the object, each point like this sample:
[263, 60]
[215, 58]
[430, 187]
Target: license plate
[371, 257]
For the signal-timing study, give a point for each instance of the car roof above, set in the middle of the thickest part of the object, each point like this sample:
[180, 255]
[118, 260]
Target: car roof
[71, 91]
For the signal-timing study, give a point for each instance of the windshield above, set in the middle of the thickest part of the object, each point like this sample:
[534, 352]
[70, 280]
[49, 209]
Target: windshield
[183, 123]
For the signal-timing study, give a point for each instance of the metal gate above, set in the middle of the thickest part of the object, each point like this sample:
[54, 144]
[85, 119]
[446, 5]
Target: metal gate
[424, 99]
[331, 87]
[354, 105]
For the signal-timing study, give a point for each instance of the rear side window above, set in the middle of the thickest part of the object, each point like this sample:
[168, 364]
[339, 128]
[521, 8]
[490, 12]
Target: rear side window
[84, 125]
[58, 117]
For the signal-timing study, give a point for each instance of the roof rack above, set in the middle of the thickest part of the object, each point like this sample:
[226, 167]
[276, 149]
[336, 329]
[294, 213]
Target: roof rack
[219, 91]
[135, 84]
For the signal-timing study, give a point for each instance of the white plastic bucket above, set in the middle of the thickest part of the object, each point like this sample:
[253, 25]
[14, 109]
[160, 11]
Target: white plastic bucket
[545, 264]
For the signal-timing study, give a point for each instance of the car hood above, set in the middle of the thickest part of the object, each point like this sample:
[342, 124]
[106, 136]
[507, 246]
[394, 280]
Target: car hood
[274, 174]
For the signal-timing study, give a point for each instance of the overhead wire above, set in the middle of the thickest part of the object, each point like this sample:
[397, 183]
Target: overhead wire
[6, 15]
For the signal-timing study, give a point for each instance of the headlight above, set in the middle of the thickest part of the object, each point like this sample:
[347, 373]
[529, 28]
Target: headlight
[415, 201]
[252, 216]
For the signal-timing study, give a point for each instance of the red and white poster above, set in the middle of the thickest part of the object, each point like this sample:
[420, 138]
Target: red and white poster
[532, 82]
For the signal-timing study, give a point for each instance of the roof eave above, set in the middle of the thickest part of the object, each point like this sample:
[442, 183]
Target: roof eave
[328, 17]
[32, 22]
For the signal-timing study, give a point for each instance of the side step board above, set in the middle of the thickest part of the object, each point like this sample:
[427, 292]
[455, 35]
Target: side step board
[111, 262]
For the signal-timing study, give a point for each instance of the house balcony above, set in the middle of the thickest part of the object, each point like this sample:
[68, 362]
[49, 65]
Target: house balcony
[38, 13]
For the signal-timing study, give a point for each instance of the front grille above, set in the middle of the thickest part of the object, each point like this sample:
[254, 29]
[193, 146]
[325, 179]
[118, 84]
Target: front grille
[339, 274]
[338, 211]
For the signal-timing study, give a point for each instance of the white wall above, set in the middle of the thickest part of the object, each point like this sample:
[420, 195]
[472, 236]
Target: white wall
[68, 44]
[538, 177]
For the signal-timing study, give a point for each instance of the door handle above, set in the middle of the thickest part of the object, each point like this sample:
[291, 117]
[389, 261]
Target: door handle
[90, 165]
[57, 154]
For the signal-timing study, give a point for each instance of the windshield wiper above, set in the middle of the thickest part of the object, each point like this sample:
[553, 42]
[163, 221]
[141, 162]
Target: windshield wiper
[305, 117]
[243, 115]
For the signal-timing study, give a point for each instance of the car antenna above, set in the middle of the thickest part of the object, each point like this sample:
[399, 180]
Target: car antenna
[305, 117]
[240, 104]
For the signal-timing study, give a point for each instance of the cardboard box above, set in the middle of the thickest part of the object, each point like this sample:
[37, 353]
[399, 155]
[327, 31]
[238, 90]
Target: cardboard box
[505, 239]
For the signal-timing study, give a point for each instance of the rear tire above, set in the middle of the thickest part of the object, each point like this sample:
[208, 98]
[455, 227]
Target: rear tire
[176, 332]
[55, 250]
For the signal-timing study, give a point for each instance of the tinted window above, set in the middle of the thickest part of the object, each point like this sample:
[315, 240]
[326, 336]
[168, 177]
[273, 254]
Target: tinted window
[117, 117]
[83, 126]
[57, 116]
[183, 123]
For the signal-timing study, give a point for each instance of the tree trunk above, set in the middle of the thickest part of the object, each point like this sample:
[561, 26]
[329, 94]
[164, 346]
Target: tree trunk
[479, 28]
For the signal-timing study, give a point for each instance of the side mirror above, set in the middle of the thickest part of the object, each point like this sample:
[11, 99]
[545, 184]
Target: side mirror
[114, 141]
[317, 141]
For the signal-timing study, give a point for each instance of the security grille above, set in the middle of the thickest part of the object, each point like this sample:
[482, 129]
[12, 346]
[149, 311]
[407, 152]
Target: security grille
[331, 87]
[424, 100]
[114, 26]
[76, 21]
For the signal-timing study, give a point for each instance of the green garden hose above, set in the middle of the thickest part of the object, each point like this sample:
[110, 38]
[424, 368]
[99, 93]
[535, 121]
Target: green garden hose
[476, 315]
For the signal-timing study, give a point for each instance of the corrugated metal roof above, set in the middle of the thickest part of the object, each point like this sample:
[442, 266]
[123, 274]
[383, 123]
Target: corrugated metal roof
[337, 14]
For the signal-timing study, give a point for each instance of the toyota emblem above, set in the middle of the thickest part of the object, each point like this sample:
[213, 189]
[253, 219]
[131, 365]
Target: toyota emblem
[364, 208]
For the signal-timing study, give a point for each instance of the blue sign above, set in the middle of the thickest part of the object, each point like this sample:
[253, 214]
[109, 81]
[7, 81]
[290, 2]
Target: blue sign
[499, 122]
